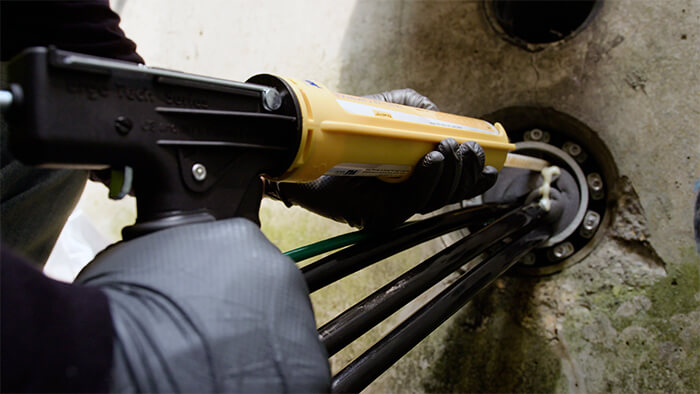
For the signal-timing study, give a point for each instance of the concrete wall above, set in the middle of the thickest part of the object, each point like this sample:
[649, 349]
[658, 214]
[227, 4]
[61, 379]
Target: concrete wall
[627, 317]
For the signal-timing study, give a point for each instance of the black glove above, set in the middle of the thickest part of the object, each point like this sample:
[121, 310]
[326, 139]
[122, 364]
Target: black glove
[209, 307]
[520, 185]
[450, 174]
[405, 97]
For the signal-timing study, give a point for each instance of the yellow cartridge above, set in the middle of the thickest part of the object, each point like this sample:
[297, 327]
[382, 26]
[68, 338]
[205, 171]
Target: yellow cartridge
[349, 135]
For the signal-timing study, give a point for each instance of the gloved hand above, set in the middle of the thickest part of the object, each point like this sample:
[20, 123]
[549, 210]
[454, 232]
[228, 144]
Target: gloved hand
[517, 184]
[405, 97]
[449, 174]
[209, 307]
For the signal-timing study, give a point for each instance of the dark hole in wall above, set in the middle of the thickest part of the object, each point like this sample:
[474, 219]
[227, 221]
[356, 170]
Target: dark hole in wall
[541, 22]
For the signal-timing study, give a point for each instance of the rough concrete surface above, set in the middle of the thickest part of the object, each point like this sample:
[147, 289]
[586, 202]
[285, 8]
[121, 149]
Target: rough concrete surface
[627, 318]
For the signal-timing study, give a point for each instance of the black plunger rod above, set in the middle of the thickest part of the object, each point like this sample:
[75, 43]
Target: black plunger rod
[369, 312]
[371, 364]
[367, 252]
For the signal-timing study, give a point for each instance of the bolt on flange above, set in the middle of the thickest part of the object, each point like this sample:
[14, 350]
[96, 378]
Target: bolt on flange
[590, 224]
[595, 185]
[537, 135]
[561, 251]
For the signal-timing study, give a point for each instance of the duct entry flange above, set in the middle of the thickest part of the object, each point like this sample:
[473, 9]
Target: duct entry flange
[564, 141]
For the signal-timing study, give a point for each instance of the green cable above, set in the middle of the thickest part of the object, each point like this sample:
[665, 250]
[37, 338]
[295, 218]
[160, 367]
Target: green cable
[304, 252]
[314, 249]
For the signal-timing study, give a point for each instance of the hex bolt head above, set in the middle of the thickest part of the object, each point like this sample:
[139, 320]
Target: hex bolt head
[594, 181]
[534, 135]
[590, 224]
[537, 135]
[595, 185]
[123, 125]
[562, 251]
[199, 172]
[572, 148]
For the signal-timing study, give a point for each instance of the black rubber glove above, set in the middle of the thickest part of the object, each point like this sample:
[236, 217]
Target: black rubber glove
[520, 185]
[209, 307]
[450, 174]
[405, 97]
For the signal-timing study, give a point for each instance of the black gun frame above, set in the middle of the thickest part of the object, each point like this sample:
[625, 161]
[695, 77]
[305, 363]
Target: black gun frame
[72, 110]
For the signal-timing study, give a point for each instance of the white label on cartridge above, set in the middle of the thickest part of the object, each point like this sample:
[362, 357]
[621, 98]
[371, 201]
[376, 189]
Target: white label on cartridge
[370, 110]
[365, 169]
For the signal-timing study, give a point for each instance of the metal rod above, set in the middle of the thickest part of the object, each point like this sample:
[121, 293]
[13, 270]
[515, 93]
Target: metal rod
[367, 252]
[369, 312]
[358, 374]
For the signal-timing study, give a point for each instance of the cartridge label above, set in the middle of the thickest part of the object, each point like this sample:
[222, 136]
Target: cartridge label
[431, 118]
[366, 169]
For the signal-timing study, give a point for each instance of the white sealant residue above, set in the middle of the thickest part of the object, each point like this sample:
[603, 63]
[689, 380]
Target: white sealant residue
[547, 174]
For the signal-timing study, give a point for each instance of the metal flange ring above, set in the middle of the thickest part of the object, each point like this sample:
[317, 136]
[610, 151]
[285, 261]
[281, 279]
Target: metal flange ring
[578, 174]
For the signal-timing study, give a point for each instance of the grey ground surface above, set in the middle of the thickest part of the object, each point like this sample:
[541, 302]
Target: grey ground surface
[626, 318]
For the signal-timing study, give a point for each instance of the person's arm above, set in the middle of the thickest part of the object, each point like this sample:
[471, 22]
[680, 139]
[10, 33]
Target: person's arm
[84, 26]
[209, 307]
[35, 203]
[54, 336]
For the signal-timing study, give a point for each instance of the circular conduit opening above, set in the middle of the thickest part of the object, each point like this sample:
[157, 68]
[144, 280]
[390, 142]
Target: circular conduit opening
[533, 25]
[568, 143]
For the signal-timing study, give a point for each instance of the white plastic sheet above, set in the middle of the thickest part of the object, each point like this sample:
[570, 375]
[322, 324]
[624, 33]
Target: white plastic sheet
[77, 245]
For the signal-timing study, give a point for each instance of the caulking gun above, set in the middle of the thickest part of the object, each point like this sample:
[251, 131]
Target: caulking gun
[193, 147]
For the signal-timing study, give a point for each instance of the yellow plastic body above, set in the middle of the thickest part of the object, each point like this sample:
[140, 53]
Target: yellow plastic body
[348, 135]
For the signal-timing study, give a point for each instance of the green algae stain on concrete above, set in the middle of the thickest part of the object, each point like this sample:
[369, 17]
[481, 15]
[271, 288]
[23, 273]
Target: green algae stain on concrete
[673, 321]
[677, 292]
[644, 338]
[618, 322]
[487, 348]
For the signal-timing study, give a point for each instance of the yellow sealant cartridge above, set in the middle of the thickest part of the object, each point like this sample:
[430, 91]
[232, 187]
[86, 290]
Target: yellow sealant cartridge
[349, 135]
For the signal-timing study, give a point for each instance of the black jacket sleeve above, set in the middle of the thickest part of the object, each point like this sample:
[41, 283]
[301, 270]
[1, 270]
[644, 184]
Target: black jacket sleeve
[35, 203]
[55, 337]
[85, 26]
